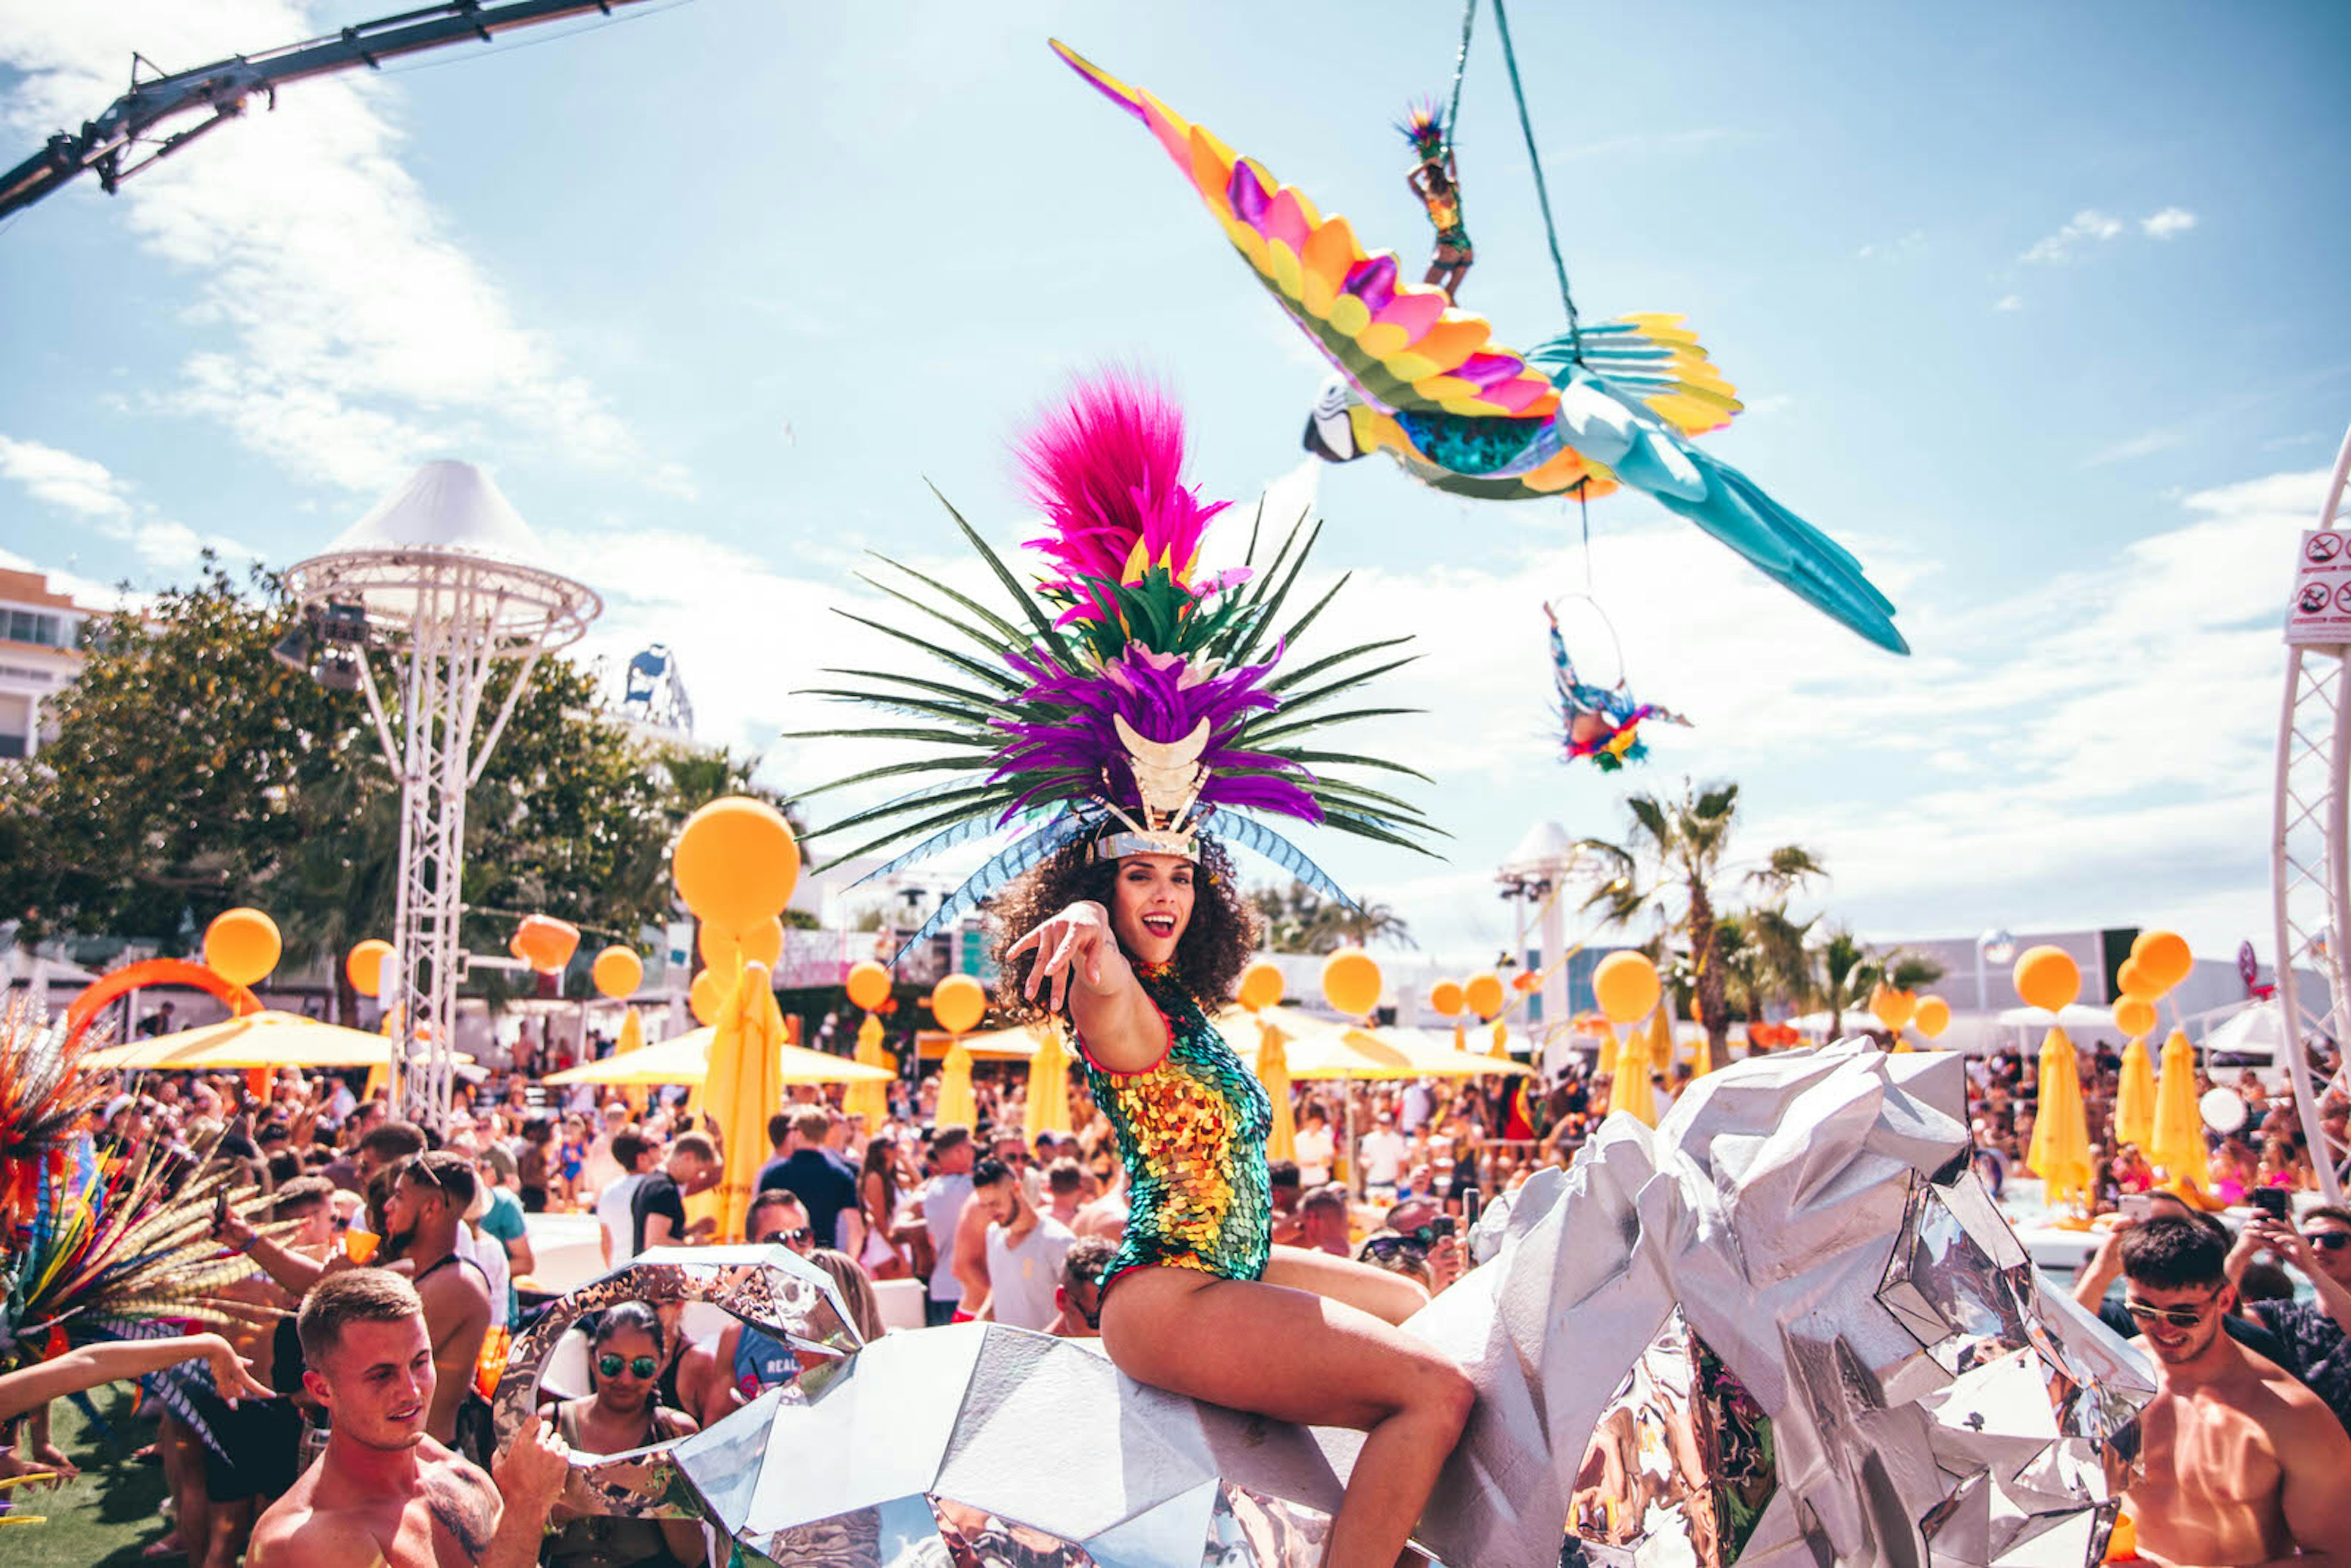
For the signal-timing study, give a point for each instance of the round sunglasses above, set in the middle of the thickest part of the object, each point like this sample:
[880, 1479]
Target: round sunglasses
[641, 1368]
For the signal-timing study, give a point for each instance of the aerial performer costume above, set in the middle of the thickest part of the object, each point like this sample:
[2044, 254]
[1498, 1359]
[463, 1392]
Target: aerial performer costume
[1599, 406]
[1602, 723]
[1436, 179]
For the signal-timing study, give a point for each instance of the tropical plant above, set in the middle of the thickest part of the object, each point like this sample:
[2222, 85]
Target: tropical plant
[1669, 865]
[1764, 957]
[1846, 971]
[1298, 919]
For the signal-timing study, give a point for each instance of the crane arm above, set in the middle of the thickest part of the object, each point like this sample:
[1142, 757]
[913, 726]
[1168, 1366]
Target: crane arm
[219, 92]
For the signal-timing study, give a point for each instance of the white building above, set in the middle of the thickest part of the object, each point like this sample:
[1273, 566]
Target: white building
[41, 638]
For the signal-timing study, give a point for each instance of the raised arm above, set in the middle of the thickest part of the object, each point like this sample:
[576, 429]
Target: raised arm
[1075, 961]
[91, 1364]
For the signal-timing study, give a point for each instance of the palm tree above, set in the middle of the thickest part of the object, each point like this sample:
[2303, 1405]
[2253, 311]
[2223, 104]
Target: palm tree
[1670, 863]
[1846, 972]
[1299, 920]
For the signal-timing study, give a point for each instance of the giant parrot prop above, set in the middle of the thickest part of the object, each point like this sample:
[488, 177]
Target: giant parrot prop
[1423, 382]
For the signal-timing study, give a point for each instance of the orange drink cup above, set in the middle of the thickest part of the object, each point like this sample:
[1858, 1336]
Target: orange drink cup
[359, 1246]
[491, 1365]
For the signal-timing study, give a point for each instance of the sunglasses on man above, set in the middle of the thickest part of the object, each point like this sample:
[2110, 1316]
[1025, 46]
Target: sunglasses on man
[642, 1368]
[800, 1238]
[2177, 1317]
[2328, 1240]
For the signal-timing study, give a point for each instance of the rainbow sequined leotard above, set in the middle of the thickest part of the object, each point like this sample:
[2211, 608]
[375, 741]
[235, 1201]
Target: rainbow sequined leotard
[1192, 1130]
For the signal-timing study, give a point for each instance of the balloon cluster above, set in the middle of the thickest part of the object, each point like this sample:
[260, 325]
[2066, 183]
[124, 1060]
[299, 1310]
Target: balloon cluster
[735, 865]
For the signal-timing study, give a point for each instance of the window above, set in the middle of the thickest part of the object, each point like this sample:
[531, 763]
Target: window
[31, 626]
[16, 725]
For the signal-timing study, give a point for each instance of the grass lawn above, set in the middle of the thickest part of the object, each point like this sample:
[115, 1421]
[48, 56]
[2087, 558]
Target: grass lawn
[106, 1515]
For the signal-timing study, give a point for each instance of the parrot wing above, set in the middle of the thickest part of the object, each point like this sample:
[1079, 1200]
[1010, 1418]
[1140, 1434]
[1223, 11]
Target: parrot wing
[1403, 344]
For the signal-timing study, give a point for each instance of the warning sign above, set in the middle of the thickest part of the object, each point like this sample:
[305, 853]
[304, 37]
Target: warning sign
[2321, 611]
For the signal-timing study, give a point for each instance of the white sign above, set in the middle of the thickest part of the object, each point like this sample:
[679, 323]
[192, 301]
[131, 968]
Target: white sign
[2321, 611]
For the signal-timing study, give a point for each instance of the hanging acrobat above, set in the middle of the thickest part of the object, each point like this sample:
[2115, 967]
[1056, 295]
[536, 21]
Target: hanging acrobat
[1436, 179]
[1598, 406]
[1602, 723]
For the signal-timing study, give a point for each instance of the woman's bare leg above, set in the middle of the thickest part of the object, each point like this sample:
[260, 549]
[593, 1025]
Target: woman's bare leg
[1300, 1357]
[1391, 1298]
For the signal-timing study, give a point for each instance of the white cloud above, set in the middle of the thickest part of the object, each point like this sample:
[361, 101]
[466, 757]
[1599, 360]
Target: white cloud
[2085, 228]
[340, 329]
[2009, 302]
[1909, 245]
[2169, 222]
[89, 490]
[2147, 443]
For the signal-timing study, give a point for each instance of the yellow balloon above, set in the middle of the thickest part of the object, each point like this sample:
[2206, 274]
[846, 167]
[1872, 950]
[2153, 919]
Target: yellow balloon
[2135, 1016]
[1261, 985]
[1626, 986]
[869, 984]
[2132, 981]
[737, 863]
[958, 1002]
[718, 947]
[1893, 1008]
[1445, 999]
[2163, 957]
[764, 943]
[242, 946]
[707, 995]
[2047, 977]
[618, 972]
[1484, 995]
[1933, 1016]
[1351, 982]
[364, 966]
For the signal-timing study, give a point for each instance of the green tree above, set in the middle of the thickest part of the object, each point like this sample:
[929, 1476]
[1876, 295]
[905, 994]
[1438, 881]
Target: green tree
[1669, 867]
[1846, 971]
[1765, 961]
[1299, 920]
[191, 772]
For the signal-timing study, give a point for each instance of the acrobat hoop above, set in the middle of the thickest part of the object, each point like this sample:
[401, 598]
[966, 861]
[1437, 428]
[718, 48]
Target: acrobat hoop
[1615, 643]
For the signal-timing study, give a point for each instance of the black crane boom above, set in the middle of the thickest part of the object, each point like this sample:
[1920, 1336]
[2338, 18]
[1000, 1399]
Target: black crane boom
[220, 90]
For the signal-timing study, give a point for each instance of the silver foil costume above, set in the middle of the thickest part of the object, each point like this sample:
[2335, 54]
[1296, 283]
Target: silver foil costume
[1786, 1329]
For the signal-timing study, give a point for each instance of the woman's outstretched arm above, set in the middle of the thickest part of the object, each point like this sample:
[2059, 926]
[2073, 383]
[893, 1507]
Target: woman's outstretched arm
[1077, 961]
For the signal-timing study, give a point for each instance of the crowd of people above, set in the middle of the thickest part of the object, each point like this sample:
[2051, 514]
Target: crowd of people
[383, 1241]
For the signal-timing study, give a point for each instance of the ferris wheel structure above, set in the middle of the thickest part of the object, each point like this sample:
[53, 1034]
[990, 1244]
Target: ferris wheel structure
[2310, 860]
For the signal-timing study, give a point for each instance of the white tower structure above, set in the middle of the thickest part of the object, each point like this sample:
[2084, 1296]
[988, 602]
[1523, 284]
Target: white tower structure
[441, 578]
[1535, 876]
[2309, 860]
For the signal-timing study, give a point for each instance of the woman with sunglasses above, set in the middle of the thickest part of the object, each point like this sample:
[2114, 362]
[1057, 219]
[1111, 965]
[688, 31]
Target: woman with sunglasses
[625, 1360]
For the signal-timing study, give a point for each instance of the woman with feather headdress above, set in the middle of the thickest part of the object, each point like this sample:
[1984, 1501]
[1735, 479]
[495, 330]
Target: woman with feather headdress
[1139, 714]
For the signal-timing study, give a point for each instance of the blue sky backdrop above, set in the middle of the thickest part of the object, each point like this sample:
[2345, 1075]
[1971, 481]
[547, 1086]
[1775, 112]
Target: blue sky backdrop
[2036, 309]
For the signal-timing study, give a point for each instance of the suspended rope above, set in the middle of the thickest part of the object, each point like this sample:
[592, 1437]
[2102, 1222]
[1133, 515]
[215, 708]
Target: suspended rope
[1460, 65]
[1543, 192]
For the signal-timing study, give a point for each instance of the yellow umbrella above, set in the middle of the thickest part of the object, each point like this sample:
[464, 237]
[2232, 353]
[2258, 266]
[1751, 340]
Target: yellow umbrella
[2134, 1098]
[1661, 1041]
[1048, 1089]
[958, 1106]
[257, 1039]
[1427, 1055]
[685, 1059]
[2178, 1148]
[870, 1099]
[1502, 1050]
[745, 1084]
[2060, 1153]
[1701, 1056]
[1629, 1090]
[632, 1033]
[1273, 1072]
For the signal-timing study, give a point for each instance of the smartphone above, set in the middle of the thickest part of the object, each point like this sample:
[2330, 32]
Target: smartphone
[2135, 1206]
[1441, 1227]
[1469, 1199]
[2270, 1200]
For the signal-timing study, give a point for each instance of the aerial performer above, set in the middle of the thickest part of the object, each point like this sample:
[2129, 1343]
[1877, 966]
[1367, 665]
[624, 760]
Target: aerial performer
[1436, 179]
[1599, 406]
[1137, 722]
[1602, 723]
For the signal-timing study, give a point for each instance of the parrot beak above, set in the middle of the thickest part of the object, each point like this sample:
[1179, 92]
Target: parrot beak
[1330, 432]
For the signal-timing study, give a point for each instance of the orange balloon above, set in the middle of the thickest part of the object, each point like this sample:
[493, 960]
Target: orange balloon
[2135, 1016]
[618, 972]
[1351, 982]
[1484, 995]
[545, 943]
[2047, 977]
[1261, 985]
[958, 1002]
[2163, 957]
[1933, 1016]
[364, 966]
[242, 946]
[1445, 999]
[869, 984]
[763, 944]
[1626, 986]
[706, 996]
[2132, 981]
[1526, 981]
[1893, 1008]
[737, 863]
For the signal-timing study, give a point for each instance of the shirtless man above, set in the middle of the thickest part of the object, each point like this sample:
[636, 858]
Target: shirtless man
[2243, 1466]
[384, 1494]
[428, 1203]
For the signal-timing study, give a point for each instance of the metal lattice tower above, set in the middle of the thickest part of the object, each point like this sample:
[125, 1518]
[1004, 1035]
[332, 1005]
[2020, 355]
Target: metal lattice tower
[441, 571]
[2310, 873]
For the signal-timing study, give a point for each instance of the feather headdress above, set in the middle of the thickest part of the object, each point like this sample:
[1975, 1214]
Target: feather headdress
[1126, 698]
[1424, 127]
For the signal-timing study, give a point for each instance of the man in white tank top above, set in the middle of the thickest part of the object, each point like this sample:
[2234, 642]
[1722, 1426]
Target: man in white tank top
[1025, 1250]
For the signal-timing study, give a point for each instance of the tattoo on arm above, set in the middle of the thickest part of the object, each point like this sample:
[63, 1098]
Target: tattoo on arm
[464, 1502]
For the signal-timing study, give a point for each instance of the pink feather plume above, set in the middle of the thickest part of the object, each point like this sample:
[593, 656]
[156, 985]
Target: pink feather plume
[1106, 467]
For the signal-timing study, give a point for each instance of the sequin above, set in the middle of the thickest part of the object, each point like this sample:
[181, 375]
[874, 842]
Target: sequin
[1192, 1130]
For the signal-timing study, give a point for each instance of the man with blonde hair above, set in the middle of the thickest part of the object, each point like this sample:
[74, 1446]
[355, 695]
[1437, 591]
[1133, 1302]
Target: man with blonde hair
[384, 1493]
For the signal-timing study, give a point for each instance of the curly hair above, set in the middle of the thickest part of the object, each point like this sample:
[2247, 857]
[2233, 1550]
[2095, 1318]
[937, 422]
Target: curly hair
[1209, 956]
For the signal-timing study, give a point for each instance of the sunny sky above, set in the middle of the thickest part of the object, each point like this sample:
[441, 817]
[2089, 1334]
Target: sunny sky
[2036, 309]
